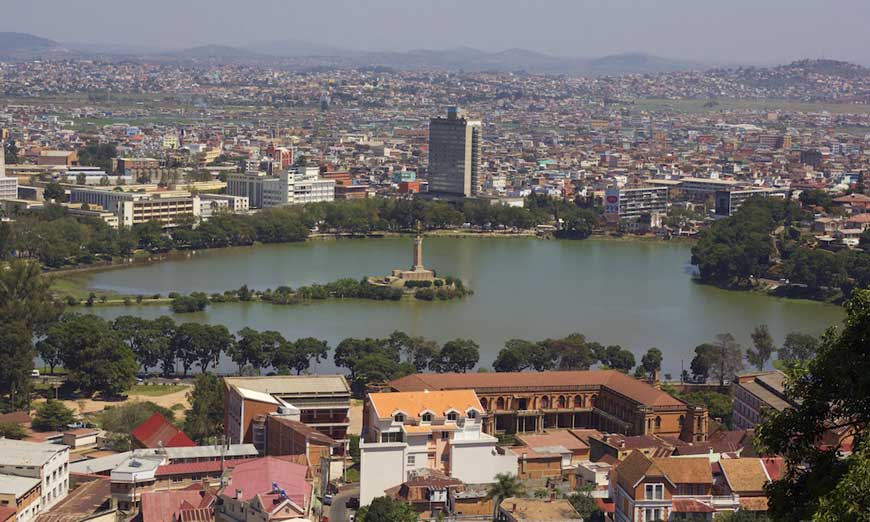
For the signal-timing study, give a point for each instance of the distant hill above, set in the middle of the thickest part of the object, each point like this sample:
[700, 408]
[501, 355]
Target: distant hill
[16, 42]
[638, 63]
[213, 51]
[827, 67]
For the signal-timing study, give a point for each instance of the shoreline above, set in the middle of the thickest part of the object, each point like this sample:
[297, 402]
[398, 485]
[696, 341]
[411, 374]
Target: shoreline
[173, 255]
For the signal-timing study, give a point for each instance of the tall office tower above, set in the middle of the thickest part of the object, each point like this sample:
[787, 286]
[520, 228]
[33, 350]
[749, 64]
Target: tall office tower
[454, 154]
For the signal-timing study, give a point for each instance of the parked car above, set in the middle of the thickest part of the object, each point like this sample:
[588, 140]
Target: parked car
[34, 373]
[352, 503]
[327, 500]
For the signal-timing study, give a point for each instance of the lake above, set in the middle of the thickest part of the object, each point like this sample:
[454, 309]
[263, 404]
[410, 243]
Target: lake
[637, 294]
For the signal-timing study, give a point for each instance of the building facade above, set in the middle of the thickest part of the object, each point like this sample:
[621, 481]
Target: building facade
[48, 463]
[436, 430]
[631, 203]
[134, 208]
[756, 392]
[606, 400]
[322, 401]
[454, 154]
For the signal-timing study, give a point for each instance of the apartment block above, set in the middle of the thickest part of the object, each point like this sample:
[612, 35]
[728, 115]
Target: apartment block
[454, 154]
[631, 203]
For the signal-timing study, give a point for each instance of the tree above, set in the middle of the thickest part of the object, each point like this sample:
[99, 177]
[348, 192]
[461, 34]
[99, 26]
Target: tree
[350, 351]
[514, 357]
[185, 304]
[385, 509]
[16, 354]
[652, 361]
[458, 355]
[126, 417]
[53, 191]
[726, 358]
[377, 367]
[798, 347]
[702, 362]
[764, 348]
[94, 355]
[830, 395]
[205, 418]
[255, 348]
[149, 340]
[505, 486]
[193, 342]
[583, 502]
[12, 430]
[309, 349]
[418, 351]
[49, 352]
[52, 415]
[618, 358]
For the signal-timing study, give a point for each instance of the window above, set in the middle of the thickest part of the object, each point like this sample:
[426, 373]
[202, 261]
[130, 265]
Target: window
[650, 514]
[411, 460]
[399, 417]
[471, 414]
[452, 416]
[658, 423]
[427, 417]
[654, 492]
[445, 435]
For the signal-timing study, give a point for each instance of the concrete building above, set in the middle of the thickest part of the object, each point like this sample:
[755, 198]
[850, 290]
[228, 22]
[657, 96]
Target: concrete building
[21, 495]
[631, 203]
[454, 154]
[233, 203]
[47, 463]
[756, 392]
[293, 187]
[8, 186]
[323, 402]
[438, 430]
[133, 208]
[606, 400]
[728, 201]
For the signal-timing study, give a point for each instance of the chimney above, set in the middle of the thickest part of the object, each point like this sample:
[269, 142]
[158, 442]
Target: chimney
[238, 494]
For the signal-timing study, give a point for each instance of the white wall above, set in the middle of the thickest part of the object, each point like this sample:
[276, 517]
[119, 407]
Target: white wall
[478, 462]
[382, 466]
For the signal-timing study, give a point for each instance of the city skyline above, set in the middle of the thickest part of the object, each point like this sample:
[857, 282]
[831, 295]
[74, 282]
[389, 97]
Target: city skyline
[774, 32]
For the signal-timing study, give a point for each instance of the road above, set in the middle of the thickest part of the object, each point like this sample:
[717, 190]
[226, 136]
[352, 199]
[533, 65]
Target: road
[338, 512]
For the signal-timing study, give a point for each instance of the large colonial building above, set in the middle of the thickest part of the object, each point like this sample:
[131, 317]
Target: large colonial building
[607, 400]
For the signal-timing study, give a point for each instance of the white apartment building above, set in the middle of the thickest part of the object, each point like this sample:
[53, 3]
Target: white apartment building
[294, 187]
[8, 186]
[48, 463]
[133, 208]
[631, 203]
[440, 430]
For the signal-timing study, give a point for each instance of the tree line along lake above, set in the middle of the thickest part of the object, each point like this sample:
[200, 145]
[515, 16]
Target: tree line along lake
[636, 294]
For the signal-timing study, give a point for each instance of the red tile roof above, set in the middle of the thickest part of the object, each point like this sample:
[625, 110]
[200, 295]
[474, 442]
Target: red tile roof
[634, 389]
[157, 431]
[189, 468]
[690, 505]
[258, 476]
[171, 505]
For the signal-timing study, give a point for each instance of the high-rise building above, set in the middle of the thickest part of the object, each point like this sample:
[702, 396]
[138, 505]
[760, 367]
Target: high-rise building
[8, 186]
[454, 154]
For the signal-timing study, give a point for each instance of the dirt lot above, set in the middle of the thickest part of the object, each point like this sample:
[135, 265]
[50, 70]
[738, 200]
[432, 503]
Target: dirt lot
[167, 401]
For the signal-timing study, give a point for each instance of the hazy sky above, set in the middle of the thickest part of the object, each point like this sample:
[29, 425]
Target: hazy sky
[710, 30]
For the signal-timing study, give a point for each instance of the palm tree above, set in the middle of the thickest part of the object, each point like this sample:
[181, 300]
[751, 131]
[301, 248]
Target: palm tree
[505, 486]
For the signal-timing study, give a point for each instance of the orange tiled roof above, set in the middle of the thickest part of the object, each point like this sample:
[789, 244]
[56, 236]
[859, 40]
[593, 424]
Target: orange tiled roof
[634, 389]
[414, 403]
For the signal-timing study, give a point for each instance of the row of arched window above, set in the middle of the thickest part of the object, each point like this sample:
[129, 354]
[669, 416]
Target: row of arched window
[545, 402]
